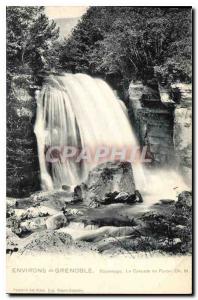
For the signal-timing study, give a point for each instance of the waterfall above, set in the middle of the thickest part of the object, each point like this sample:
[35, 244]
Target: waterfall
[79, 111]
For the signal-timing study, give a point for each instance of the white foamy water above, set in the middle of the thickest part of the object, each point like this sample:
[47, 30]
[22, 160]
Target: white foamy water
[163, 184]
[82, 112]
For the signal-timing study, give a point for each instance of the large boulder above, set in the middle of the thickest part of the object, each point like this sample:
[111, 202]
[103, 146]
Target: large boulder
[57, 221]
[182, 133]
[107, 178]
[48, 241]
[184, 199]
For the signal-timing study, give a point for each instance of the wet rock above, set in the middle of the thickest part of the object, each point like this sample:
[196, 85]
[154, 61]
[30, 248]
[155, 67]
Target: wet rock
[132, 199]
[57, 221]
[111, 244]
[40, 197]
[110, 198]
[52, 199]
[106, 232]
[94, 204]
[77, 196]
[24, 203]
[35, 212]
[26, 221]
[66, 187]
[167, 201]
[110, 215]
[33, 225]
[138, 196]
[72, 212]
[50, 196]
[106, 178]
[184, 200]
[34, 200]
[122, 197]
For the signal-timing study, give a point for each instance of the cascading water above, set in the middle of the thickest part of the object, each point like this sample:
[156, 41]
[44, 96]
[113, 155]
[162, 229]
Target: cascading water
[82, 112]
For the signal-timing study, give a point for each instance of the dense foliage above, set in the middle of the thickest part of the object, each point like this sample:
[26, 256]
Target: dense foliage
[31, 40]
[131, 43]
[116, 43]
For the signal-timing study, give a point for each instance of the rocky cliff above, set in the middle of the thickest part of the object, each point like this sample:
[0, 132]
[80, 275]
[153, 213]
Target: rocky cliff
[164, 124]
[153, 122]
[22, 160]
[182, 131]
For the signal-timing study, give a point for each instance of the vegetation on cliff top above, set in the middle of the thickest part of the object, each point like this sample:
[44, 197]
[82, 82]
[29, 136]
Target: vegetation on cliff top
[112, 42]
[131, 43]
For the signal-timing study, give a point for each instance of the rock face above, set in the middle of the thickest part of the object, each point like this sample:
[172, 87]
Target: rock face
[22, 161]
[107, 178]
[182, 136]
[163, 123]
[153, 122]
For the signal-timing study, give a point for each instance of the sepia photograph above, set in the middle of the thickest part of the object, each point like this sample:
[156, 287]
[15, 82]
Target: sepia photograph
[99, 149]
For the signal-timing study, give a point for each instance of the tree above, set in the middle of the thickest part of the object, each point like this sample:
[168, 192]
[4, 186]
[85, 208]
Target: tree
[30, 39]
[131, 43]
